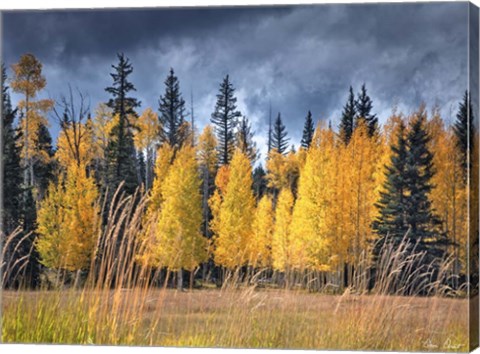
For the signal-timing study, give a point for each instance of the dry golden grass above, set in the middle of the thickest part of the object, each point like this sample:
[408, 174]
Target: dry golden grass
[236, 318]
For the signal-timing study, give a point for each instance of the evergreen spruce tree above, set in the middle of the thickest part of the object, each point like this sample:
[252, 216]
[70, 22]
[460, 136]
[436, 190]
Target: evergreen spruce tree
[348, 117]
[224, 118]
[141, 168]
[405, 208]
[464, 132]
[18, 209]
[43, 169]
[12, 170]
[279, 136]
[121, 155]
[245, 140]
[308, 131]
[259, 182]
[392, 204]
[172, 112]
[420, 216]
[363, 106]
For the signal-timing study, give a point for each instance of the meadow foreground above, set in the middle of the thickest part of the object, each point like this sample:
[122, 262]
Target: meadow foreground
[236, 318]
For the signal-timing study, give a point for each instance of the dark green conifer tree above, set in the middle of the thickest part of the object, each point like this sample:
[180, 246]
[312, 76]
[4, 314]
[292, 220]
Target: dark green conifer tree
[225, 119]
[420, 215]
[392, 220]
[12, 170]
[18, 209]
[464, 132]
[259, 182]
[43, 170]
[308, 131]
[172, 113]
[363, 107]
[406, 211]
[279, 136]
[348, 118]
[245, 140]
[121, 154]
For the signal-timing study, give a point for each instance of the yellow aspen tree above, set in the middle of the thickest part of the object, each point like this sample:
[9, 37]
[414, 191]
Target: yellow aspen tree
[178, 242]
[207, 144]
[68, 222]
[276, 177]
[163, 164]
[75, 145]
[146, 137]
[449, 195]
[28, 81]
[52, 240]
[361, 157]
[284, 250]
[102, 125]
[260, 246]
[312, 213]
[233, 210]
[283, 170]
[207, 160]
[221, 182]
[165, 157]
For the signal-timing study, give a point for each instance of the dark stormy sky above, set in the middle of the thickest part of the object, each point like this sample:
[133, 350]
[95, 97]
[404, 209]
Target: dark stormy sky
[300, 58]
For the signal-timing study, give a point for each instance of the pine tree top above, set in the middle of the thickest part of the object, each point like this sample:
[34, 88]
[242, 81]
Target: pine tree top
[121, 103]
[363, 106]
[308, 131]
[172, 111]
[225, 119]
[348, 117]
[279, 136]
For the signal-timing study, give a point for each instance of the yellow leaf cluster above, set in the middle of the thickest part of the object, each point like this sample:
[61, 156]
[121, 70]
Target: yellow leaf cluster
[449, 195]
[148, 130]
[282, 171]
[75, 145]
[68, 222]
[260, 245]
[207, 149]
[233, 210]
[177, 242]
[163, 163]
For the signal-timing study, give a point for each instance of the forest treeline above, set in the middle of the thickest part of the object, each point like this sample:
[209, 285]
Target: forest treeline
[328, 207]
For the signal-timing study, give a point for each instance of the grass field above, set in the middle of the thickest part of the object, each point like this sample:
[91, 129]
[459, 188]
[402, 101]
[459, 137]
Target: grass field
[236, 318]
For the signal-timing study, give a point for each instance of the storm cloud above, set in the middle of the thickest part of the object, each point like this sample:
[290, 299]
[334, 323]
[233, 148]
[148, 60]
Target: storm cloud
[299, 58]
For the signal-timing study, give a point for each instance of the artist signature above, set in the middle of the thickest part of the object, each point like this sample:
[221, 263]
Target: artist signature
[448, 344]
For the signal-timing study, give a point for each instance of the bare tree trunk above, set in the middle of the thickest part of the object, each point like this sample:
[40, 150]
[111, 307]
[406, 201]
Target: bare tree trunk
[180, 279]
[192, 275]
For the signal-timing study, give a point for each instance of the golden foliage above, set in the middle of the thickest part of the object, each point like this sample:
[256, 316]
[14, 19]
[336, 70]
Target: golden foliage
[102, 125]
[260, 246]
[233, 210]
[165, 156]
[284, 248]
[312, 224]
[449, 195]
[75, 145]
[28, 81]
[283, 170]
[178, 242]
[148, 130]
[207, 149]
[68, 222]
